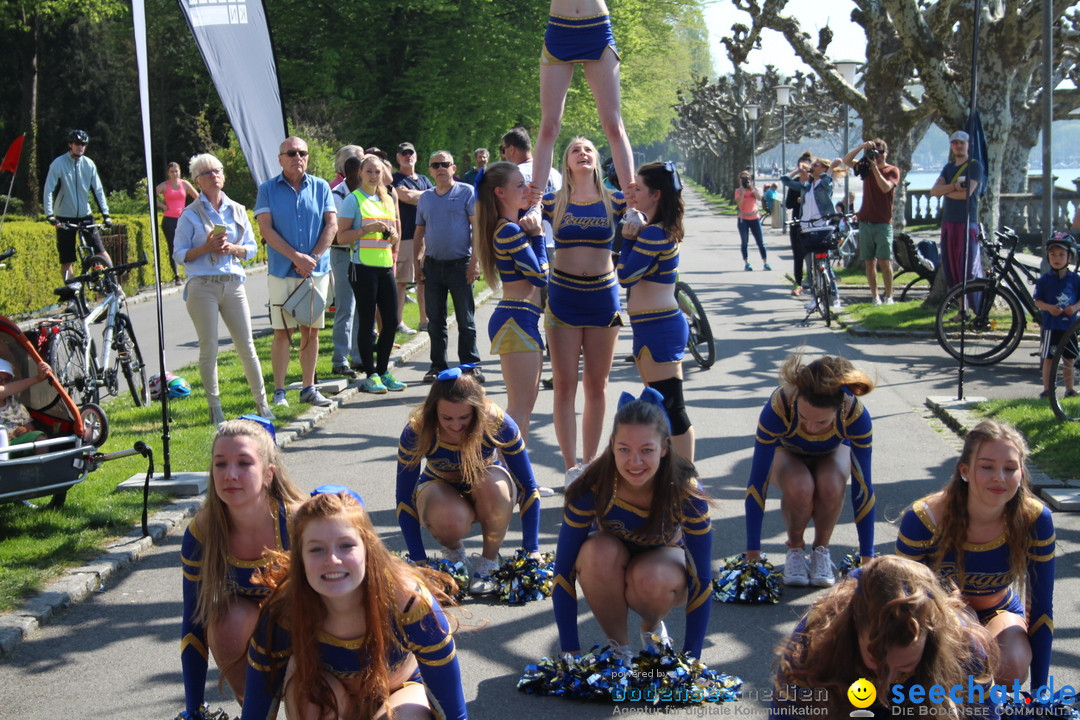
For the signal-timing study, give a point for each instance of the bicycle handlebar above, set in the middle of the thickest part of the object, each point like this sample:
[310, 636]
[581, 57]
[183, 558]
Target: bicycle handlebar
[95, 273]
[82, 226]
[6, 254]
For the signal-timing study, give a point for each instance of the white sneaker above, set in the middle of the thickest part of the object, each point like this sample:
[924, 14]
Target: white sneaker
[544, 491]
[405, 329]
[482, 582]
[660, 634]
[889, 300]
[573, 474]
[822, 570]
[836, 304]
[312, 396]
[454, 555]
[623, 652]
[279, 398]
[877, 301]
[796, 572]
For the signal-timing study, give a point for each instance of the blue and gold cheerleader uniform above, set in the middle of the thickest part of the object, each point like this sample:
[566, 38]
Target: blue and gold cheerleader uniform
[515, 323]
[653, 256]
[193, 648]
[986, 572]
[585, 300]
[575, 40]
[421, 630]
[442, 462]
[626, 522]
[778, 426]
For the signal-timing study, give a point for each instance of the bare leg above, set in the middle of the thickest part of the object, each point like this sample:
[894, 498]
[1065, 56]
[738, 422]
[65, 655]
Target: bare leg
[309, 354]
[603, 77]
[446, 514]
[1010, 631]
[652, 371]
[521, 375]
[656, 583]
[493, 502]
[565, 345]
[228, 641]
[791, 475]
[886, 275]
[601, 573]
[1046, 365]
[554, 82]
[280, 350]
[871, 277]
[598, 347]
[831, 474]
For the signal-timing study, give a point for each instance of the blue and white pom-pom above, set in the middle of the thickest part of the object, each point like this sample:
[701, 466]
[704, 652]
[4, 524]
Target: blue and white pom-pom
[849, 562]
[458, 571]
[522, 579]
[741, 581]
[204, 713]
[653, 677]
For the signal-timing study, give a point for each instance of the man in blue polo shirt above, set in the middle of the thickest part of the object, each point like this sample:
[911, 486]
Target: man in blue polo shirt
[298, 221]
[444, 217]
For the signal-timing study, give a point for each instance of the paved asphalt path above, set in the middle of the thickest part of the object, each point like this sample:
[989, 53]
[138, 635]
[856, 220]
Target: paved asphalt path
[116, 655]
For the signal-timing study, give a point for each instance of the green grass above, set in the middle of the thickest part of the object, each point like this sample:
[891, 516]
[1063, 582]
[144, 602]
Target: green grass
[910, 316]
[721, 205]
[37, 544]
[1055, 445]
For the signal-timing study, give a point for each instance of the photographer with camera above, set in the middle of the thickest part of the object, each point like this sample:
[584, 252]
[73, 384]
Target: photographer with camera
[747, 198]
[958, 187]
[875, 217]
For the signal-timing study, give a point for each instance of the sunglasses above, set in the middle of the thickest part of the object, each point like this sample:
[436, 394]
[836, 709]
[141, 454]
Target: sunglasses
[294, 153]
[214, 171]
[443, 164]
[406, 152]
[79, 143]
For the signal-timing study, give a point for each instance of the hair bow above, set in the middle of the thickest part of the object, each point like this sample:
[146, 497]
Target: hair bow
[479, 178]
[266, 424]
[336, 490]
[650, 396]
[676, 181]
[455, 372]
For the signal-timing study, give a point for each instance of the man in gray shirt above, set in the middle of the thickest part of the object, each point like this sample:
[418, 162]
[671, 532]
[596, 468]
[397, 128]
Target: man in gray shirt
[443, 244]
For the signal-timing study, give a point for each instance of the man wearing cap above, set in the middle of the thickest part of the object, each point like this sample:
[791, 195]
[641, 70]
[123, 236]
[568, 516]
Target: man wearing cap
[409, 188]
[958, 187]
[71, 178]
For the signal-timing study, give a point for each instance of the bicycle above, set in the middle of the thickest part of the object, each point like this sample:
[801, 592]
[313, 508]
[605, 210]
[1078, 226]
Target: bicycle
[847, 250]
[85, 247]
[71, 348]
[700, 341]
[823, 257]
[995, 312]
[1064, 405]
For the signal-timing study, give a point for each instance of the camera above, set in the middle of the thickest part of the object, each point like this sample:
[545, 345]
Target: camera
[385, 234]
[871, 153]
[746, 182]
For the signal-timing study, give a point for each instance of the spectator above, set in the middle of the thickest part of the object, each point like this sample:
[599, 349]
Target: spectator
[988, 533]
[769, 197]
[346, 358]
[480, 157]
[15, 419]
[298, 221]
[793, 201]
[958, 186]
[172, 196]
[368, 224]
[72, 177]
[444, 219]
[409, 187]
[816, 185]
[875, 218]
[1057, 294]
[747, 198]
[213, 236]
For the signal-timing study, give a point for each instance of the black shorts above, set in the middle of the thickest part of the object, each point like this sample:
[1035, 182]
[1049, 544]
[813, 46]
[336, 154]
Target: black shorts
[66, 240]
[1049, 343]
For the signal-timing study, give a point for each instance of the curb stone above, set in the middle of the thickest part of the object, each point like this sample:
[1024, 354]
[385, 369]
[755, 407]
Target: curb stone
[76, 584]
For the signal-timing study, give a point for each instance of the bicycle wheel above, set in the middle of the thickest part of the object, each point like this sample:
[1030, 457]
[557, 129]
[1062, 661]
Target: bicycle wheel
[67, 357]
[848, 251]
[700, 341]
[820, 283]
[994, 324]
[1067, 408]
[130, 360]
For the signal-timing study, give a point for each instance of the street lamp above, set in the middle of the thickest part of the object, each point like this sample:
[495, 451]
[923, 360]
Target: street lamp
[752, 114]
[846, 68]
[783, 99]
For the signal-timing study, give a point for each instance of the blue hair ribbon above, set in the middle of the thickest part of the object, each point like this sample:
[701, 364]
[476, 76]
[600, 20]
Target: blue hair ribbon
[455, 372]
[676, 181]
[337, 490]
[650, 396]
[479, 178]
[260, 420]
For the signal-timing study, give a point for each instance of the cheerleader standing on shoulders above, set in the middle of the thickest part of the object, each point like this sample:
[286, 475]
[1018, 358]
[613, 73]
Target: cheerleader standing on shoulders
[351, 631]
[636, 535]
[813, 434]
[244, 515]
[985, 532]
[475, 469]
[650, 265]
[582, 317]
[513, 254]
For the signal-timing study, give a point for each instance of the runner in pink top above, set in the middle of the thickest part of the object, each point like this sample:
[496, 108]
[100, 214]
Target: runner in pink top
[747, 198]
[172, 197]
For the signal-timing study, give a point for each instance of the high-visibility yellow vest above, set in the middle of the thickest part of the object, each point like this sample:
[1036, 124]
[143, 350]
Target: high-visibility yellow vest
[371, 249]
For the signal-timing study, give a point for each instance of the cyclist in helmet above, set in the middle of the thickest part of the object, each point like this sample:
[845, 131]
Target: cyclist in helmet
[67, 188]
[1057, 294]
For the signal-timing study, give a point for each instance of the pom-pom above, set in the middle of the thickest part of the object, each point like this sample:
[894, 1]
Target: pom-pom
[653, 676]
[741, 581]
[458, 571]
[850, 562]
[204, 713]
[522, 579]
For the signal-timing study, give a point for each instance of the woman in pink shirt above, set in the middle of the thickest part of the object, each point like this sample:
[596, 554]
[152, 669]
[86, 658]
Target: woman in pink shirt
[747, 198]
[172, 197]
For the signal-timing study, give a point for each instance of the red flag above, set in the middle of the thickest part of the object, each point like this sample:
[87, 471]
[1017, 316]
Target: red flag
[11, 157]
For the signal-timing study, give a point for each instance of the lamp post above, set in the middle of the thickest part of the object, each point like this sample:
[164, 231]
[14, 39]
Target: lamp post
[846, 68]
[752, 114]
[783, 99]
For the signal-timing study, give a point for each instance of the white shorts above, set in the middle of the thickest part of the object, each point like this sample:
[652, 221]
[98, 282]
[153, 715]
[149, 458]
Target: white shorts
[281, 288]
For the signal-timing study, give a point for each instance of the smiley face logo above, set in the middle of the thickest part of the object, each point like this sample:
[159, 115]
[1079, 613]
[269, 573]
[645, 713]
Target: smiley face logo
[862, 693]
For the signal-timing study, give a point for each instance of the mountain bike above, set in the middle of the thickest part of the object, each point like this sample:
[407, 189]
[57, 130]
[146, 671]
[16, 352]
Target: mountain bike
[85, 245]
[1065, 405]
[71, 350]
[823, 256]
[700, 342]
[995, 311]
